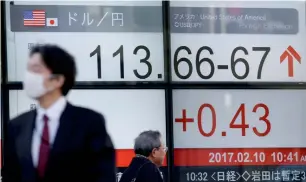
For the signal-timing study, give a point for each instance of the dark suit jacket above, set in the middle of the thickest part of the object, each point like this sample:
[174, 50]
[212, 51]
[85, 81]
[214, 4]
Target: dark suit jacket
[82, 150]
[143, 170]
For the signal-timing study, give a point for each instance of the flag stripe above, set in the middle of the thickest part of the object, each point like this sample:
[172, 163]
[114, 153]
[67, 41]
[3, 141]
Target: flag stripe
[35, 23]
[34, 20]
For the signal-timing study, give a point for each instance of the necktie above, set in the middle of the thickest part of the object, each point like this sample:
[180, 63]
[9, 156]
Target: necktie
[44, 149]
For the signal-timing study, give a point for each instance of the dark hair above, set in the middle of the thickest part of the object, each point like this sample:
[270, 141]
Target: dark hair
[59, 62]
[146, 142]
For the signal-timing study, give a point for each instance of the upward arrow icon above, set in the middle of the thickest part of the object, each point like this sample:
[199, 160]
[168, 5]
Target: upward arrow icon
[290, 53]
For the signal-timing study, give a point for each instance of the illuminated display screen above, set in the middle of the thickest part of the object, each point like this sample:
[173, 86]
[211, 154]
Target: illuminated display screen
[225, 134]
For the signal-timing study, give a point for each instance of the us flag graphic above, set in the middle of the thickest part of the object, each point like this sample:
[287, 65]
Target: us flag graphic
[34, 18]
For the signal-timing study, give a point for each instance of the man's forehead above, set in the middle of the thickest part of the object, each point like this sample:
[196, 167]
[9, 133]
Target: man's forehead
[35, 60]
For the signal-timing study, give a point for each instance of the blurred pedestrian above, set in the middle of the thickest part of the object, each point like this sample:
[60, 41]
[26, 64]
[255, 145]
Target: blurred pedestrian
[150, 152]
[57, 141]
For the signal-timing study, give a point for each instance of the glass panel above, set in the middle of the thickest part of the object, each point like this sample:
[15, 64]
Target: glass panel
[127, 114]
[111, 41]
[239, 135]
[238, 41]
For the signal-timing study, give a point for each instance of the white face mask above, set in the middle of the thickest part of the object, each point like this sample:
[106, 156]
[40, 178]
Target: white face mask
[33, 85]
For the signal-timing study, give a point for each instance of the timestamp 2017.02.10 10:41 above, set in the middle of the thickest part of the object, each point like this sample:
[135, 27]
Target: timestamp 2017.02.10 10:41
[257, 158]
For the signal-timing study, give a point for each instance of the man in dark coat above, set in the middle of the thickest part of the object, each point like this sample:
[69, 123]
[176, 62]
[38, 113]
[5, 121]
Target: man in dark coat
[56, 142]
[150, 153]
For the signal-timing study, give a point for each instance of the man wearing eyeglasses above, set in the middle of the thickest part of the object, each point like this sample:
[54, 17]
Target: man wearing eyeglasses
[150, 153]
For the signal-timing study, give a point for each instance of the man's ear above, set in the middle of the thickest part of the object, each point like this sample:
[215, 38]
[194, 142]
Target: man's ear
[154, 152]
[60, 79]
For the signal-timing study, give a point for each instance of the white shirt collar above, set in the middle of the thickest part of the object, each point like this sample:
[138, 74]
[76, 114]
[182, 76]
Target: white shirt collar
[54, 111]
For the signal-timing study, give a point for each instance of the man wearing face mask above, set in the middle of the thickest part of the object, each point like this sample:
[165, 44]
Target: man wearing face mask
[57, 142]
